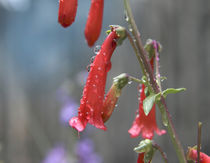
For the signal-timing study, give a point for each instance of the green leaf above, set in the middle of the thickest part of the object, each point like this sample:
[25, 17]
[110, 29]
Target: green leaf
[148, 103]
[172, 90]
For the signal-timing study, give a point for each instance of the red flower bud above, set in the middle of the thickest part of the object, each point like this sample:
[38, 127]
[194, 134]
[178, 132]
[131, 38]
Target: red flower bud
[94, 21]
[192, 155]
[67, 12]
[91, 104]
[113, 95]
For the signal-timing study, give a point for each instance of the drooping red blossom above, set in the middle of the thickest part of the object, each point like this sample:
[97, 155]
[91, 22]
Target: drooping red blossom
[141, 158]
[67, 12]
[91, 104]
[192, 155]
[145, 125]
[94, 21]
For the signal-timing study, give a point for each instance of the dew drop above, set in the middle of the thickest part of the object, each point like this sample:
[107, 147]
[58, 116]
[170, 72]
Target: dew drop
[102, 113]
[130, 82]
[130, 29]
[97, 49]
[104, 53]
[99, 68]
[126, 16]
[92, 59]
[116, 105]
[91, 109]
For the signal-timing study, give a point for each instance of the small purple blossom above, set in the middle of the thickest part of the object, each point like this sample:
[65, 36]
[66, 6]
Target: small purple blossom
[56, 155]
[68, 108]
[85, 152]
[68, 111]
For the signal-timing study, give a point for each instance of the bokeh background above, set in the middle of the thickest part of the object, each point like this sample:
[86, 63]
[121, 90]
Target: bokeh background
[43, 68]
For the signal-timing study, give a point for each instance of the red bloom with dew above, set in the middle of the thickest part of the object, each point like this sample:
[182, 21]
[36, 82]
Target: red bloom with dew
[94, 21]
[67, 12]
[146, 125]
[192, 155]
[91, 104]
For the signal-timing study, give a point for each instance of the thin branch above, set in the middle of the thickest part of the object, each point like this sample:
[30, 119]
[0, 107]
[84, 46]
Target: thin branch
[163, 154]
[199, 141]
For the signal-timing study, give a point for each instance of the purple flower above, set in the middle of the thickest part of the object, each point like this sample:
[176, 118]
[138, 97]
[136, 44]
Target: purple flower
[68, 111]
[85, 152]
[69, 107]
[56, 155]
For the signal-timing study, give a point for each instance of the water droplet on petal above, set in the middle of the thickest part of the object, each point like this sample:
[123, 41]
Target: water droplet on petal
[97, 49]
[88, 68]
[92, 59]
[99, 68]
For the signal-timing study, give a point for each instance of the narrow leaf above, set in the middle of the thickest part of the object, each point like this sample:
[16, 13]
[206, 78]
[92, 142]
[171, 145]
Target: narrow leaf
[148, 103]
[172, 90]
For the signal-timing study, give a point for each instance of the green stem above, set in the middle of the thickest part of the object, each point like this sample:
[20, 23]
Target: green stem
[135, 79]
[156, 146]
[199, 142]
[149, 74]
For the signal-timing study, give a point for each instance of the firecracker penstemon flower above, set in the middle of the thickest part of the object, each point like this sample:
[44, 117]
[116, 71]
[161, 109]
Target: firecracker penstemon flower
[146, 125]
[193, 155]
[91, 104]
[94, 21]
[67, 14]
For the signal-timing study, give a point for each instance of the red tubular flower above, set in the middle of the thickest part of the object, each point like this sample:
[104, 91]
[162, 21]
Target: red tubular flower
[192, 155]
[141, 158]
[67, 12]
[91, 104]
[94, 21]
[146, 125]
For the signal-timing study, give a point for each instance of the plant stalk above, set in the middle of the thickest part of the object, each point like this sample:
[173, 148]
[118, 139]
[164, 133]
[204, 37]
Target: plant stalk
[149, 74]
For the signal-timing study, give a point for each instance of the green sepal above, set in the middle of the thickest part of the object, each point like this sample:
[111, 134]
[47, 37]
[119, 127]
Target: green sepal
[149, 155]
[144, 146]
[119, 82]
[121, 32]
[108, 31]
[148, 103]
[172, 91]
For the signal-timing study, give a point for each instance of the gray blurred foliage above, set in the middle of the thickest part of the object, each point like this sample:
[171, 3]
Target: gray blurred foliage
[38, 56]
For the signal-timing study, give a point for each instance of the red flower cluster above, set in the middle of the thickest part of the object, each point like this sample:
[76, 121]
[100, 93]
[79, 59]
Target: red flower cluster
[91, 105]
[192, 155]
[146, 125]
[67, 14]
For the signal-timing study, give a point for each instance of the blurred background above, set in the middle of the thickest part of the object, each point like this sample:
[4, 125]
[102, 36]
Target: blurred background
[43, 71]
